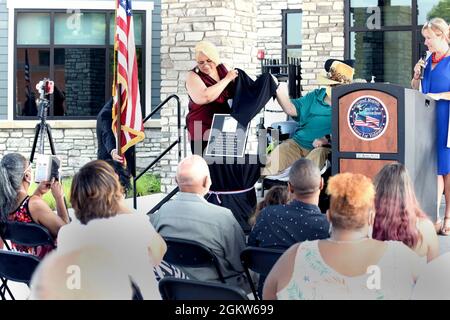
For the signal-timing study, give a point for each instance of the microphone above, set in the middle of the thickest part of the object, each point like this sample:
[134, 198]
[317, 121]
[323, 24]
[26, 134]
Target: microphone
[422, 69]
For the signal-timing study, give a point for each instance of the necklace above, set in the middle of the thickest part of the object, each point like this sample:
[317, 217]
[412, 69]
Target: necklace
[347, 241]
[437, 60]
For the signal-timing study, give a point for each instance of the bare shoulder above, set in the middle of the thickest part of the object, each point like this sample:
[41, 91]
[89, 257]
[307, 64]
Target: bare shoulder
[426, 227]
[38, 207]
[425, 224]
[192, 75]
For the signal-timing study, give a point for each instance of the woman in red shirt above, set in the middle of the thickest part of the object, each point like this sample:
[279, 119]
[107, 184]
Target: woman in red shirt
[209, 86]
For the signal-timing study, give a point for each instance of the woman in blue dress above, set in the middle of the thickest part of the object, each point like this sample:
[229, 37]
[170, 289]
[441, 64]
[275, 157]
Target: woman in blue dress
[436, 84]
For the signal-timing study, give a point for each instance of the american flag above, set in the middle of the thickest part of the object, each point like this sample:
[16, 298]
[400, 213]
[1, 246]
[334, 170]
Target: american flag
[27, 74]
[367, 121]
[126, 71]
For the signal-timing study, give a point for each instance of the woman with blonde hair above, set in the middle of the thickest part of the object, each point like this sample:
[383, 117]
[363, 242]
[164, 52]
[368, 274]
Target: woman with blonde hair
[209, 86]
[436, 84]
[105, 221]
[350, 264]
[399, 216]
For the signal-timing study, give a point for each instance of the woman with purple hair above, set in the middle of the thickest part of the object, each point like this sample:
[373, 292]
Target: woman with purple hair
[398, 213]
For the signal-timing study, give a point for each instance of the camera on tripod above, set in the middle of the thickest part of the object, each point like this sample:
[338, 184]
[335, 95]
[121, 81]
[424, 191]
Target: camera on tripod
[45, 86]
[47, 167]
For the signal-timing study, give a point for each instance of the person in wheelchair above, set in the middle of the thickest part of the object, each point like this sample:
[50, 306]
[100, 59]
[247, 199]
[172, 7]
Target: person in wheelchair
[313, 115]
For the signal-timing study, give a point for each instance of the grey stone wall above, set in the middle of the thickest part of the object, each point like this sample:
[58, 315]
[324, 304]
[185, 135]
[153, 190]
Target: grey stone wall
[229, 24]
[322, 33]
[76, 147]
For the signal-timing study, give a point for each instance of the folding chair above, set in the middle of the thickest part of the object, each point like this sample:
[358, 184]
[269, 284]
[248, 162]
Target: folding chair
[16, 266]
[183, 289]
[261, 261]
[191, 254]
[25, 234]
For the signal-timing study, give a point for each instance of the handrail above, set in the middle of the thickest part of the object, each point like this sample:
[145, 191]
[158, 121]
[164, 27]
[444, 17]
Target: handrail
[172, 145]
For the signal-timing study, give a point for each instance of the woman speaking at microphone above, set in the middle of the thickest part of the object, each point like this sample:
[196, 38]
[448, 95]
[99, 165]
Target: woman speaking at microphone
[436, 84]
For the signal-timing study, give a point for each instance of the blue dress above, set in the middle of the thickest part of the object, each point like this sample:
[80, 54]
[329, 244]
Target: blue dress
[438, 81]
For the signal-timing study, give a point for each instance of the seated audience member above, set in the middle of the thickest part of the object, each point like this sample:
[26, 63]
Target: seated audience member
[164, 269]
[88, 273]
[349, 264]
[432, 283]
[16, 177]
[189, 216]
[281, 226]
[98, 201]
[275, 195]
[398, 214]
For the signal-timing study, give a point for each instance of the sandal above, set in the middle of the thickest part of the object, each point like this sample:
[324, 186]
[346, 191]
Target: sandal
[445, 231]
[438, 225]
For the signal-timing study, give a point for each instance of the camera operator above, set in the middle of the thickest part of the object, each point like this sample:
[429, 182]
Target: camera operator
[107, 142]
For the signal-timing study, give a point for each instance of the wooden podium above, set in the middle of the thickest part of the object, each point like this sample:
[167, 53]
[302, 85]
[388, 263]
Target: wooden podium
[375, 124]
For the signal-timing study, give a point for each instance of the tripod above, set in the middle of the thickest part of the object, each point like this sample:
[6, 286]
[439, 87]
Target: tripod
[42, 127]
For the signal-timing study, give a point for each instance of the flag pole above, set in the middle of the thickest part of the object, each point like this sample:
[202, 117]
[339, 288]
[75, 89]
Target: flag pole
[117, 90]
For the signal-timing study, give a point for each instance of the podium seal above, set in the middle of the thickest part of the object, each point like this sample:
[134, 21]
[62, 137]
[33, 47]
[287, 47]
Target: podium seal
[367, 118]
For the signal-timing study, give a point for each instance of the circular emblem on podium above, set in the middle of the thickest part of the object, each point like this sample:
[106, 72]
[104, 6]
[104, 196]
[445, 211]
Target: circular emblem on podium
[368, 118]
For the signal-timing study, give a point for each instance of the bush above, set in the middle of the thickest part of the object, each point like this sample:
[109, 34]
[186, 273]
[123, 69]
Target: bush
[147, 184]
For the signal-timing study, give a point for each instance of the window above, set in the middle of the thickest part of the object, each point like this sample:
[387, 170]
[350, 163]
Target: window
[75, 50]
[292, 34]
[384, 37]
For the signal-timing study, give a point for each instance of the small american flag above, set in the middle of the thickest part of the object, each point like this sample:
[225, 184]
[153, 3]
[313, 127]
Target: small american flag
[126, 71]
[373, 121]
[367, 121]
[27, 74]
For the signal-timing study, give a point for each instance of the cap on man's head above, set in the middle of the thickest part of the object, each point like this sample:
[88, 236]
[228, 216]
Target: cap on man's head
[329, 62]
[338, 72]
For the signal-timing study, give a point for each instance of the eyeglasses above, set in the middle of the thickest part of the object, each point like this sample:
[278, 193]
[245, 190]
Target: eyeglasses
[28, 168]
[200, 63]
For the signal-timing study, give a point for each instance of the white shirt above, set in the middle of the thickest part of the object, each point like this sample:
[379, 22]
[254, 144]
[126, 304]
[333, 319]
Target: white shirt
[127, 237]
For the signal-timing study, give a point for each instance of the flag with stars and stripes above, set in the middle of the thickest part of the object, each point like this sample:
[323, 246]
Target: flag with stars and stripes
[126, 75]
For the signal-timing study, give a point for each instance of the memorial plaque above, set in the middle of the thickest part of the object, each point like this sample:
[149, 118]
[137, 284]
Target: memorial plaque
[227, 137]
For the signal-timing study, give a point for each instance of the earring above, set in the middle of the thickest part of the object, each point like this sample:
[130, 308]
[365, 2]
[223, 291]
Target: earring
[330, 229]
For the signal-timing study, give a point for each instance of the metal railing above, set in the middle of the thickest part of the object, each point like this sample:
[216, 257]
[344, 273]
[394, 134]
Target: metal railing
[172, 145]
[290, 72]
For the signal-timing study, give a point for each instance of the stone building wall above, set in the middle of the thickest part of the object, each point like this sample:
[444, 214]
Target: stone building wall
[239, 28]
[230, 25]
[76, 146]
[322, 33]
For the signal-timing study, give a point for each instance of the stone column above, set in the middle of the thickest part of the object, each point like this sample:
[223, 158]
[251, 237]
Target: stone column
[322, 33]
[229, 24]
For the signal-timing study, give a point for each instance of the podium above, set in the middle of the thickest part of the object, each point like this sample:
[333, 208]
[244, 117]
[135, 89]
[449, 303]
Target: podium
[375, 124]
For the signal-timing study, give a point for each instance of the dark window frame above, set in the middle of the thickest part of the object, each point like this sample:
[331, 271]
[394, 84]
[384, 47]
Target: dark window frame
[414, 28]
[284, 45]
[52, 46]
